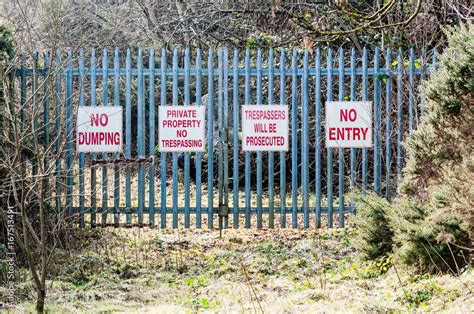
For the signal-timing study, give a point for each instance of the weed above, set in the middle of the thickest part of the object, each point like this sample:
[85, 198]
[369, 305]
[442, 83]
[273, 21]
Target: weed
[159, 243]
[304, 285]
[200, 303]
[417, 298]
[272, 249]
[301, 263]
[198, 283]
[267, 270]
[374, 269]
[419, 295]
[318, 296]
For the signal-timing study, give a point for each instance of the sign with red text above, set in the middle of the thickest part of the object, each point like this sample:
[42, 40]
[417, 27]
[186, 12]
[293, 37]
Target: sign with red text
[181, 129]
[348, 124]
[265, 128]
[99, 129]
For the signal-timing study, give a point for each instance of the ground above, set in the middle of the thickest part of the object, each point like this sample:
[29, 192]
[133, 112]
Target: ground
[273, 271]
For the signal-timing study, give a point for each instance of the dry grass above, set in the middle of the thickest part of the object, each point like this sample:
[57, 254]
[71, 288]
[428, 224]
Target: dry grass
[279, 271]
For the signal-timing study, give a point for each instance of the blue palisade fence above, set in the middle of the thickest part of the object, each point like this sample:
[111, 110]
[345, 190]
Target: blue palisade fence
[142, 184]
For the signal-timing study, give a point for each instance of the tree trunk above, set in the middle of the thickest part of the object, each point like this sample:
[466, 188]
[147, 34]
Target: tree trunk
[40, 300]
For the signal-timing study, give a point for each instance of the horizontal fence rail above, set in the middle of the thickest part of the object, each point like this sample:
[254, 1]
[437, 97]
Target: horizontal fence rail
[310, 185]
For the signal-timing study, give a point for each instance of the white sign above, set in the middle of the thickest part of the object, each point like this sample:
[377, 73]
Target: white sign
[348, 124]
[265, 128]
[99, 129]
[181, 129]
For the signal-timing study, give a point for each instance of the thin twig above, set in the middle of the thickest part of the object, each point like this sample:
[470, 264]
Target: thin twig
[250, 284]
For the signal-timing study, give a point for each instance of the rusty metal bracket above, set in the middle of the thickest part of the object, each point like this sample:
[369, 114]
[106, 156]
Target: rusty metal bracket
[119, 161]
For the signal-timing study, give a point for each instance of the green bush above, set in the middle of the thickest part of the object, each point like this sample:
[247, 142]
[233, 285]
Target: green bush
[434, 224]
[6, 43]
[431, 226]
[427, 239]
[374, 237]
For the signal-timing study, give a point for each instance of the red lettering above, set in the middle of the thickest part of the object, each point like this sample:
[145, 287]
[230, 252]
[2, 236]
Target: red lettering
[181, 113]
[94, 119]
[272, 127]
[104, 119]
[348, 133]
[181, 133]
[181, 123]
[265, 141]
[345, 115]
[266, 114]
[97, 120]
[356, 133]
[364, 132]
[340, 133]
[352, 115]
[94, 139]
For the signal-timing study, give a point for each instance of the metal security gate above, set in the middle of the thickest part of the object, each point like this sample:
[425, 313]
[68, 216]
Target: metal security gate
[307, 186]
